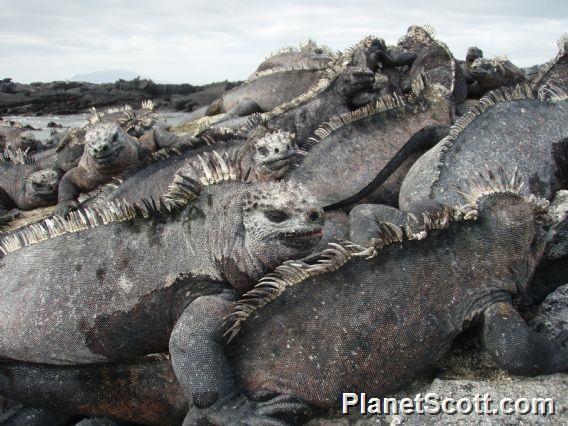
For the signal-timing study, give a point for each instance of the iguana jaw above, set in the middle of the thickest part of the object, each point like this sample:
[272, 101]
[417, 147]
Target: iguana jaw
[302, 240]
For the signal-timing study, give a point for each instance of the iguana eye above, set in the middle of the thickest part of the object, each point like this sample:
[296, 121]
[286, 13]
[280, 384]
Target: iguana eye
[115, 137]
[276, 216]
[263, 150]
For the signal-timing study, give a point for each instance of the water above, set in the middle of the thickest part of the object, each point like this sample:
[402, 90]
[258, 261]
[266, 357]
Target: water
[77, 120]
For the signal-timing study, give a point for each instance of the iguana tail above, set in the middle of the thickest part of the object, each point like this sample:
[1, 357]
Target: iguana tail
[145, 391]
[422, 140]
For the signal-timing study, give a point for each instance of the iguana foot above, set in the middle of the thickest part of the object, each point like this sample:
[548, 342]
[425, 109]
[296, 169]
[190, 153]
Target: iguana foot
[6, 218]
[63, 209]
[279, 410]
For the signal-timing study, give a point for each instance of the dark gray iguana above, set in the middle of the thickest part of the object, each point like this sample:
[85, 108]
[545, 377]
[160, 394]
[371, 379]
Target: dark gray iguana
[108, 151]
[268, 155]
[436, 61]
[352, 154]
[510, 125]
[555, 72]
[23, 185]
[153, 266]
[351, 319]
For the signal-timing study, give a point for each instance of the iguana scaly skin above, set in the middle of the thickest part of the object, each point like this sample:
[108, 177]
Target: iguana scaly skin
[352, 154]
[228, 237]
[436, 61]
[266, 91]
[23, 185]
[383, 322]
[108, 151]
[555, 73]
[506, 126]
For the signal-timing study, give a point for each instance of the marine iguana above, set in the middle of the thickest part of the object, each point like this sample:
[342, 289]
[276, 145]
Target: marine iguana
[352, 154]
[108, 151]
[216, 233]
[491, 74]
[23, 185]
[508, 125]
[310, 53]
[436, 61]
[476, 257]
[555, 72]
[69, 146]
[267, 154]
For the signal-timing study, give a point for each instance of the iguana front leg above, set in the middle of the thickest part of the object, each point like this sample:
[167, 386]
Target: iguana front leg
[203, 371]
[7, 213]
[518, 349]
[159, 138]
[68, 192]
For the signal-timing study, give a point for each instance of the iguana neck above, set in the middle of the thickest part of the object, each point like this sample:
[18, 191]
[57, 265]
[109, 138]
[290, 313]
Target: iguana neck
[217, 227]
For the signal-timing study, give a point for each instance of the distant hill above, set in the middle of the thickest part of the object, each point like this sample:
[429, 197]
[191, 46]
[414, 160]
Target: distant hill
[107, 76]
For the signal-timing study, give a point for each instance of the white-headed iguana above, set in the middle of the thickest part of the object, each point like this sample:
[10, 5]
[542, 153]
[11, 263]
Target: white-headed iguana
[152, 266]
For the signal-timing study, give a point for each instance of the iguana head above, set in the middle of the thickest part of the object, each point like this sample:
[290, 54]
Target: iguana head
[481, 68]
[40, 188]
[281, 221]
[105, 143]
[316, 53]
[355, 79]
[273, 154]
[28, 141]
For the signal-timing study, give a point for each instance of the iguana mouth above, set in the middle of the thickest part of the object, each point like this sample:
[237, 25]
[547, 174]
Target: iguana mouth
[107, 155]
[301, 239]
[278, 163]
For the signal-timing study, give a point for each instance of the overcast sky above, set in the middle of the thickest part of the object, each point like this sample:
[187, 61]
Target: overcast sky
[199, 42]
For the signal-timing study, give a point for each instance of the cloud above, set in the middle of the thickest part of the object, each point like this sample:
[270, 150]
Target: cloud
[199, 42]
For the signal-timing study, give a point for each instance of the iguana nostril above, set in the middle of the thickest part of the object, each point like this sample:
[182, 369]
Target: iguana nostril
[276, 150]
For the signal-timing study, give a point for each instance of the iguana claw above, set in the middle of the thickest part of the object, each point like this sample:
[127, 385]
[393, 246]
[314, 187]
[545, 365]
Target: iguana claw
[279, 410]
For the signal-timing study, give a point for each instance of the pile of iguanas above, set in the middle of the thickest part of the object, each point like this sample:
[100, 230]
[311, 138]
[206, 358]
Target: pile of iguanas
[329, 226]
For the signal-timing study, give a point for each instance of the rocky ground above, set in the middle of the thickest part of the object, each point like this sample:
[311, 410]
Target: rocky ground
[70, 97]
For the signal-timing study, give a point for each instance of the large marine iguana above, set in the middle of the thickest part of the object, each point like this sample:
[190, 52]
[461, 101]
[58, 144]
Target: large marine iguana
[436, 61]
[352, 154]
[267, 154]
[216, 233]
[23, 185]
[383, 323]
[555, 72]
[508, 125]
[108, 151]
[309, 53]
